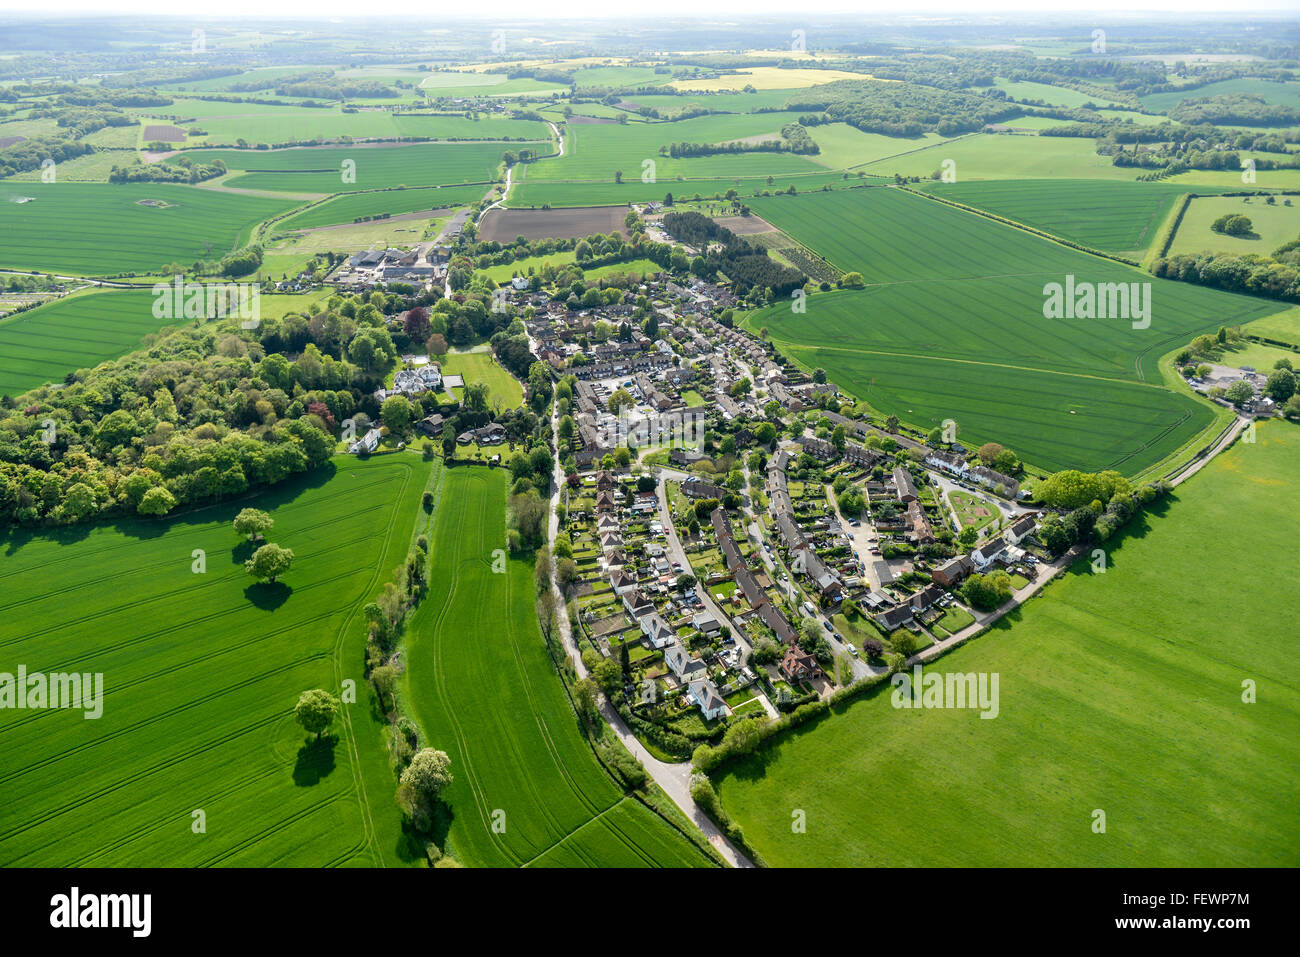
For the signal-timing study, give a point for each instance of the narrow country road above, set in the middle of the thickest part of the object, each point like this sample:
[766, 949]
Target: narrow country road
[673, 779]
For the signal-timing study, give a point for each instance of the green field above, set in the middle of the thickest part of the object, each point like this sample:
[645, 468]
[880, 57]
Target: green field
[1282, 94]
[1113, 216]
[79, 332]
[1053, 95]
[225, 123]
[530, 192]
[484, 689]
[1273, 226]
[320, 170]
[483, 367]
[201, 672]
[594, 153]
[1008, 156]
[1119, 692]
[953, 327]
[350, 206]
[95, 229]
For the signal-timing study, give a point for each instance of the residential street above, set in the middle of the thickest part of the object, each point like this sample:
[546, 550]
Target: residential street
[674, 779]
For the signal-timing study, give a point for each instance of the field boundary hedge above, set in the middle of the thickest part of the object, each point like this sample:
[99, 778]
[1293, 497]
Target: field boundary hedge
[1168, 232]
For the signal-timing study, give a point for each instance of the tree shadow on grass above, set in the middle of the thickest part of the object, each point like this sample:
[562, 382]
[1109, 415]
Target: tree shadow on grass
[268, 596]
[411, 845]
[315, 761]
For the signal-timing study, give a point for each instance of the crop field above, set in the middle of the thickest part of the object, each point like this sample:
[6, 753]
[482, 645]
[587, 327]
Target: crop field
[1008, 156]
[953, 327]
[1119, 692]
[321, 169]
[45, 344]
[764, 78]
[594, 153]
[1272, 226]
[530, 192]
[396, 202]
[1115, 217]
[226, 123]
[93, 229]
[484, 690]
[200, 676]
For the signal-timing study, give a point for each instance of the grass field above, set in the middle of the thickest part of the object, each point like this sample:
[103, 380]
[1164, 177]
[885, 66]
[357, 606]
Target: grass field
[1273, 226]
[483, 367]
[845, 146]
[1113, 216]
[953, 327]
[78, 332]
[320, 170]
[1120, 692]
[484, 689]
[1282, 94]
[1054, 95]
[594, 153]
[346, 208]
[201, 672]
[92, 229]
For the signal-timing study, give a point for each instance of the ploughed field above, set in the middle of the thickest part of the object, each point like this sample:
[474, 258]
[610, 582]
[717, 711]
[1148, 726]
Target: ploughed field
[528, 790]
[200, 676]
[951, 325]
[1119, 692]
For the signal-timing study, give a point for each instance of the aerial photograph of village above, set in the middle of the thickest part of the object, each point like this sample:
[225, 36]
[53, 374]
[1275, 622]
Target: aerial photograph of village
[692, 439]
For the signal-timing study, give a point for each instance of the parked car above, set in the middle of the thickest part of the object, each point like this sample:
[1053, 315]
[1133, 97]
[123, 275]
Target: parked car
[829, 626]
[852, 650]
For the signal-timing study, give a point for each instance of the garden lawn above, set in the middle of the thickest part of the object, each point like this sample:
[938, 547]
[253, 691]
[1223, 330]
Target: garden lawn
[200, 676]
[484, 689]
[1120, 692]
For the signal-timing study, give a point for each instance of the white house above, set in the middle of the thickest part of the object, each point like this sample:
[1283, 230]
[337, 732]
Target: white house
[987, 554]
[681, 664]
[659, 632]
[705, 696]
[1021, 530]
[367, 443]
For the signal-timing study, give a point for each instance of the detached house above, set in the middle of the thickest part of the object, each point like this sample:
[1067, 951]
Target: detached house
[659, 632]
[705, 696]
[681, 664]
[798, 665]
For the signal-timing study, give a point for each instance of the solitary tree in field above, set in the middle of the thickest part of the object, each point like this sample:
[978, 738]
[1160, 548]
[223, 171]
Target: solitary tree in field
[253, 523]
[428, 773]
[315, 710]
[269, 562]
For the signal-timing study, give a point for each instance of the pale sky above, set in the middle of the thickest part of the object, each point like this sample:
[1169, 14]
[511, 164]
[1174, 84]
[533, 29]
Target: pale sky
[425, 11]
